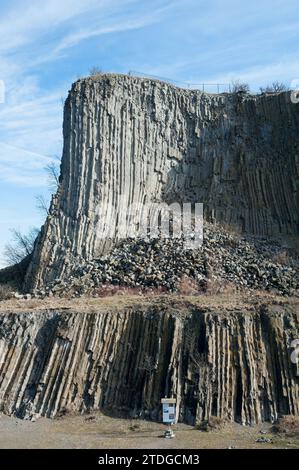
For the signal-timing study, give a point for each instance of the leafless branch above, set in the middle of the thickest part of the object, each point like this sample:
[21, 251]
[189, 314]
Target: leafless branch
[21, 245]
[238, 86]
[94, 71]
[276, 87]
[42, 204]
[52, 170]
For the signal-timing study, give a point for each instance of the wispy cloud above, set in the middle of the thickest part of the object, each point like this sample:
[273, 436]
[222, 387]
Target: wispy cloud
[20, 166]
[29, 20]
[44, 45]
[284, 70]
[255, 40]
[30, 132]
[31, 116]
[83, 34]
[60, 25]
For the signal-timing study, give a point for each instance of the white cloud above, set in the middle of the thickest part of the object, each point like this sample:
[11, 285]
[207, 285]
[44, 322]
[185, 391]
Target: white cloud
[284, 70]
[30, 19]
[30, 132]
[22, 167]
[102, 25]
[71, 21]
[32, 117]
[199, 41]
[74, 38]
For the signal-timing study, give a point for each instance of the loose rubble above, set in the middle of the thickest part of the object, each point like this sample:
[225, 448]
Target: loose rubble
[264, 440]
[226, 258]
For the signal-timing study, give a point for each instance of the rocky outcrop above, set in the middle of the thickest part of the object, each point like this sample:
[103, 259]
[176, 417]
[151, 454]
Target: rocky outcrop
[150, 141]
[233, 364]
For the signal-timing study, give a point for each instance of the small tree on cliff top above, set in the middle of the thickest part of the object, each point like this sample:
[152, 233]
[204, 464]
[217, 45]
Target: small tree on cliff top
[276, 87]
[94, 71]
[237, 87]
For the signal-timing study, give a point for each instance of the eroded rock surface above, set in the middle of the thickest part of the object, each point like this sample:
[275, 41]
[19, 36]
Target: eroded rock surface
[234, 364]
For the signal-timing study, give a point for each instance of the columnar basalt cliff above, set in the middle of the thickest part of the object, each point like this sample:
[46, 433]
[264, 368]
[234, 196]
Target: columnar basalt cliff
[150, 141]
[139, 141]
[233, 364]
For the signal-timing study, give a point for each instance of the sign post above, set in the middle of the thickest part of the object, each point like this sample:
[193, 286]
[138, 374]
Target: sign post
[169, 415]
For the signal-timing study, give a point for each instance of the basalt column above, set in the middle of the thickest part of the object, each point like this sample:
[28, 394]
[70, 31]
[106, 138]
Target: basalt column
[148, 141]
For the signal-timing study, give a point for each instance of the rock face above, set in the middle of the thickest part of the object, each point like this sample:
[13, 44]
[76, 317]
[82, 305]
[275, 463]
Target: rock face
[233, 364]
[149, 141]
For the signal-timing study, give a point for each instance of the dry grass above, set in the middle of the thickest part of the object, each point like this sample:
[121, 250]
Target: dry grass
[134, 427]
[109, 290]
[282, 258]
[223, 301]
[216, 286]
[288, 425]
[213, 424]
[188, 286]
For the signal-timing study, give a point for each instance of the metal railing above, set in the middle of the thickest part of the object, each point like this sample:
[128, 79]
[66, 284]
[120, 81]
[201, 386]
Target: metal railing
[204, 87]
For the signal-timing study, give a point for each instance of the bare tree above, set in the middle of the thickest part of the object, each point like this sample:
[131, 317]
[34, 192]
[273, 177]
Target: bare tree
[52, 170]
[42, 204]
[21, 246]
[53, 174]
[237, 86]
[276, 87]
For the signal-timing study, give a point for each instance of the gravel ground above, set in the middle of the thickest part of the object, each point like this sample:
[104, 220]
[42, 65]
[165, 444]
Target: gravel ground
[97, 431]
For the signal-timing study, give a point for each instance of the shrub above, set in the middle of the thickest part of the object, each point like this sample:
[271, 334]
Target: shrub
[134, 427]
[5, 292]
[187, 286]
[239, 87]
[275, 87]
[217, 286]
[288, 425]
[214, 423]
[109, 290]
[94, 71]
[21, 247]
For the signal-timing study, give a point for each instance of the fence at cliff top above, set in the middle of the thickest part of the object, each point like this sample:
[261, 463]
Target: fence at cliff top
[204, 87]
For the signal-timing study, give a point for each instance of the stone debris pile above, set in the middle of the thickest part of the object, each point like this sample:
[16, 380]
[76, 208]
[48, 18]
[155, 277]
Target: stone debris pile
[226, 258]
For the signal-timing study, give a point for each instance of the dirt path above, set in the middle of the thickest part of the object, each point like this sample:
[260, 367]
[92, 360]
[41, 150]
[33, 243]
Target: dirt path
[102, 432]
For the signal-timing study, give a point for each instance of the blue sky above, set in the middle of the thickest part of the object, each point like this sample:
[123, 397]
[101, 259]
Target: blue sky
[45, 46]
